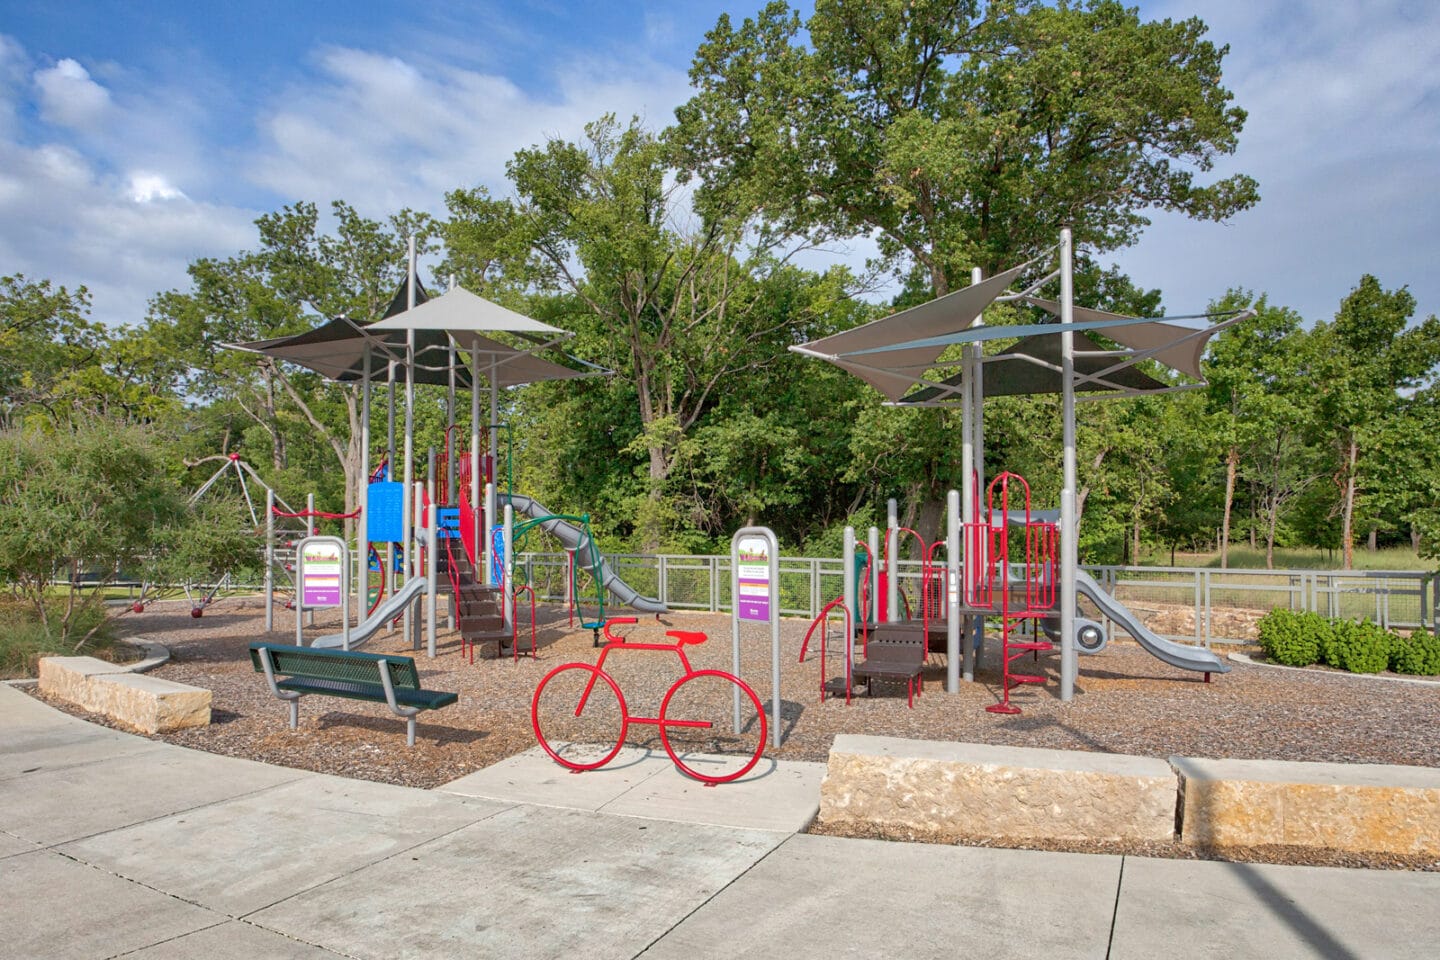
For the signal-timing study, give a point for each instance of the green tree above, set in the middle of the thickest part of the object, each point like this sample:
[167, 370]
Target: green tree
[681, 313]
[1262, 401]
[298, 275]
[88, 499]
[46, 336]
[964, 133]
[1364, 362]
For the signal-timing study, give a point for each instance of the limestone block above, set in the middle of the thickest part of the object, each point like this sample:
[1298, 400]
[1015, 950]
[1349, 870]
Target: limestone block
[149, 704]
[1359, 807]
[952, 790]
[68, 678]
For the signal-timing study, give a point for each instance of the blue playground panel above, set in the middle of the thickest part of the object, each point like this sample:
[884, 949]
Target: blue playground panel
[448, 520]
[386, 513]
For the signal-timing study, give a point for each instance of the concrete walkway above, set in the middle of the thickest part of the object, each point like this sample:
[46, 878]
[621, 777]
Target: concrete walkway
[112, 845]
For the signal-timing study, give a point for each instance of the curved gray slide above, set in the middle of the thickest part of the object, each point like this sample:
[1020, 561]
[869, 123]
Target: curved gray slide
[1179, 655]
[574, 539]
[383, 614]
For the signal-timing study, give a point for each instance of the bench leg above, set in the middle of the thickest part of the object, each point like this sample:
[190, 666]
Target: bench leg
[295, 714]
[409, 731]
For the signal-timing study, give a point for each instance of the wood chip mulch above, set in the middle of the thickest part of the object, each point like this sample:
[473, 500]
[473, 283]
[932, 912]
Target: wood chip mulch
[1126, 702]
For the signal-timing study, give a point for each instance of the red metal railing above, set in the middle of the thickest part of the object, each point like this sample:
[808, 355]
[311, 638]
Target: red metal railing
[515, 621]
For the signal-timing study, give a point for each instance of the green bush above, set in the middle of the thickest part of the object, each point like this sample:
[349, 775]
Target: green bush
[24, 639]
[1361, 647]
[1290, 638]
[1417, 655]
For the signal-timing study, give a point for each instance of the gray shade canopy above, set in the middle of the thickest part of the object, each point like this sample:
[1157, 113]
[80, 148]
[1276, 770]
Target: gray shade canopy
[336, 349]
[901, 352]
[895, 372]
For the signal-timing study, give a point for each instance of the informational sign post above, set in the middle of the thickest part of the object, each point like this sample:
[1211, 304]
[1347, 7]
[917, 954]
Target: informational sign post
[755, 597]
[754, 573]
[322, 579]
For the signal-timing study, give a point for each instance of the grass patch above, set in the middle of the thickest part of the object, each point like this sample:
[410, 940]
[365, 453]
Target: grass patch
[1296, 558]
[24, 639]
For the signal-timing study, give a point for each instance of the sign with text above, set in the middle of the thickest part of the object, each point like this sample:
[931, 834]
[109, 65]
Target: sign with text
[321, 563]
[753, 579]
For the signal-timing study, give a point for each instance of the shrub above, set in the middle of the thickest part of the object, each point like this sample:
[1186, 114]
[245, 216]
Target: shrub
[1290, 638]
[1361, 647]
[1417, 655]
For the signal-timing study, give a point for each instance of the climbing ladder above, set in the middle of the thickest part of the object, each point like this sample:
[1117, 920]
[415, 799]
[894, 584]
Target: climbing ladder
[1015, 591]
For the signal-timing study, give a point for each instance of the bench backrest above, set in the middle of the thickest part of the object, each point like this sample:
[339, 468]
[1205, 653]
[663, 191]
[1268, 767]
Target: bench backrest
[904, 650]
[344, 665]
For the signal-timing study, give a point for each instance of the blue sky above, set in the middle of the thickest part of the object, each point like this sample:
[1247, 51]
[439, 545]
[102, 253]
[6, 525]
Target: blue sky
[136, 137]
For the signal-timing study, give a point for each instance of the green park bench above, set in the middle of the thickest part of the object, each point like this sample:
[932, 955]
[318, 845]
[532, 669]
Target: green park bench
[391, 680]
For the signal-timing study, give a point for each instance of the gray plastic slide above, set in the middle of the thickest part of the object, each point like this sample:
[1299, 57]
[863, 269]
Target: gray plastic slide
[1179, 655]
[383, 614]
[574, 539]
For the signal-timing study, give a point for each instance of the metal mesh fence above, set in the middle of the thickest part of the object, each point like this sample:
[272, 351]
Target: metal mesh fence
[1192, 604]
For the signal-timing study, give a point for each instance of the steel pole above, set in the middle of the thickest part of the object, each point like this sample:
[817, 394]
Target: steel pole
[1069, 547]
[362, 529]
[407, 508]
[270, 560]
[892, 565]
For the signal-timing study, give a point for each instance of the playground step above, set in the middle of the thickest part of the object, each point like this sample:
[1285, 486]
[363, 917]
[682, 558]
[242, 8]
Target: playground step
[1027, 645]
[483, 626]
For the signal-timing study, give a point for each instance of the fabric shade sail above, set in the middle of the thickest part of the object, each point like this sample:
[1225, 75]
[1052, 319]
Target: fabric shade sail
[336, 349]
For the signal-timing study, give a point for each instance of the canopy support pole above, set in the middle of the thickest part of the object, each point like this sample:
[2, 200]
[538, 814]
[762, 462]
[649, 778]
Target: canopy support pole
[1069, 547]
[362, 532]
[476, 480]
[407, 506]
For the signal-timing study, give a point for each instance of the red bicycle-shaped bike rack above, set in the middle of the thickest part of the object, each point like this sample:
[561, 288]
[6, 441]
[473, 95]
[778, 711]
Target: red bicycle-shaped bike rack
[695, 721]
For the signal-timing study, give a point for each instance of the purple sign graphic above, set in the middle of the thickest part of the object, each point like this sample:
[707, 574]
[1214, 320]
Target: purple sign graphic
[753, 580]
[320, 575]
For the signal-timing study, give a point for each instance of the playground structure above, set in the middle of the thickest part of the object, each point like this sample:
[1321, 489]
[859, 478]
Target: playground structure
[449, 340]
[277, 553]
[700, 700]
[968, 577]
[901, 356]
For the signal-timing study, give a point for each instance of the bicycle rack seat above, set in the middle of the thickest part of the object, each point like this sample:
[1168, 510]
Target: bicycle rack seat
[687, 637]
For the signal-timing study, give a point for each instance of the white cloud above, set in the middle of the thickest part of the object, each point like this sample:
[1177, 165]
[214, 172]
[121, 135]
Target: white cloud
[69, 98]
[146, 187]
[384, 133]
[67, 221]
[1341, 135]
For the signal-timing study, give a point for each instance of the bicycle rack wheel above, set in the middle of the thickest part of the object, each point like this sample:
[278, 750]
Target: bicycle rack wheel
[697, 724]
[586, 719]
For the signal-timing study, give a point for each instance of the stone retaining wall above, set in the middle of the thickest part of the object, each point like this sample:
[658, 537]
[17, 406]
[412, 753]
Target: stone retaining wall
[139, 702]
[953, 790]
[950, 791]
[1359, 807]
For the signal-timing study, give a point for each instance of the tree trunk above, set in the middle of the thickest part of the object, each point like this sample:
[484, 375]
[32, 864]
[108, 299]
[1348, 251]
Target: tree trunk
[1232, 462]
[1253, 544]
[1347, 524]
[1270, 532]
[1372, 542]
[1414, 538]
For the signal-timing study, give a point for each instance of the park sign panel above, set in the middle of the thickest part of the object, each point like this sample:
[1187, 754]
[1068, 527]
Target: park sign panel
[322, 562]
[755, 597]
[753, 575]
[322, 579]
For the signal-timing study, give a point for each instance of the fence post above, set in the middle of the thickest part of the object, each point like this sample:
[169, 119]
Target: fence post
[1209, 609]
[714, 584]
